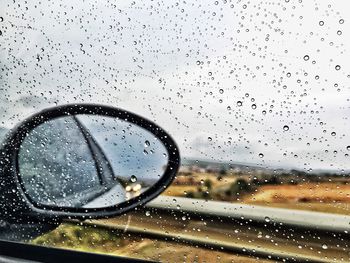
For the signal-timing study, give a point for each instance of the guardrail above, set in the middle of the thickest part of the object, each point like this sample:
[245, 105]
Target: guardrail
[297, 218]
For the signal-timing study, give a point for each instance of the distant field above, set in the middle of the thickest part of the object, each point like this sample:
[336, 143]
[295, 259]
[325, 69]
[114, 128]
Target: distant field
[330, 197]
[179, 190]
[304, 193]
[199, 179]
[320, 197]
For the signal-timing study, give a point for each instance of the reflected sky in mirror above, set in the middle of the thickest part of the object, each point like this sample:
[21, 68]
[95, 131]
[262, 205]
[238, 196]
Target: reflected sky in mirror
[134, 153]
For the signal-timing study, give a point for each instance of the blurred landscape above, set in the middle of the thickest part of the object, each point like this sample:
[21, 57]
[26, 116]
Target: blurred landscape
[322, 191]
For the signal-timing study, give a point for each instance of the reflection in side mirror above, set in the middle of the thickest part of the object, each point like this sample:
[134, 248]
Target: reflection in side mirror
[89, 161]
[81, 161]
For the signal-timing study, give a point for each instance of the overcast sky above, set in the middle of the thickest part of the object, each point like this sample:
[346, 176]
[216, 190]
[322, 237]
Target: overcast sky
[222, 77]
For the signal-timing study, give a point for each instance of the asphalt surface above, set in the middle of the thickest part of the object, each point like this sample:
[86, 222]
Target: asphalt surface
[268, 239]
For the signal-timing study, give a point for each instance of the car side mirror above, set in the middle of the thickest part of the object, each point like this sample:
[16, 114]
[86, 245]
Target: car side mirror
[85, 161]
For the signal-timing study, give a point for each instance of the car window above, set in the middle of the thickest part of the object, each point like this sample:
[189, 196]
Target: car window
[255, 93]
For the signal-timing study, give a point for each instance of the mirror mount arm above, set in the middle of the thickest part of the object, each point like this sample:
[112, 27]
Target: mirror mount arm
[97, 153]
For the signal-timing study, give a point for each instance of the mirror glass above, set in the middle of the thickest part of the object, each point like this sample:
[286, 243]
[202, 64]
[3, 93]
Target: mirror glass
[89, 161]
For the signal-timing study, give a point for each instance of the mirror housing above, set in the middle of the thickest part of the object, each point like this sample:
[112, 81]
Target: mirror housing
[16, 203]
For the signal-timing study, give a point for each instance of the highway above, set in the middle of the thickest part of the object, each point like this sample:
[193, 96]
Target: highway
[270, 233]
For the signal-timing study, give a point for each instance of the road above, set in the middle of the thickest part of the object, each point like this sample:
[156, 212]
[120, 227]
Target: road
[227, 230]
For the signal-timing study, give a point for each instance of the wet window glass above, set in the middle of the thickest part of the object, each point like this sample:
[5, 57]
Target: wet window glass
[255, 93]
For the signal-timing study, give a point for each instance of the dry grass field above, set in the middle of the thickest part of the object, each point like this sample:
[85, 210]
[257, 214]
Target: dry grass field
[307, 192]
[84, 238]
[321, 197]
[331, 197]
[197, 180]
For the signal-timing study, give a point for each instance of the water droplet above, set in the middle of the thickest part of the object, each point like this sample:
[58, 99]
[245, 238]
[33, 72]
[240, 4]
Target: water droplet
[261, 155]
[221, 91]
[286, 128]
[133, 178]
[306, 57]
[324, 246]
[267, 219]
[321, 23]
[147, 143]
[333, 133]
[348, 147]
[337, 67]
[341, 21]
[210, 139]
[253, 106]
[239, 103]
[148, 213]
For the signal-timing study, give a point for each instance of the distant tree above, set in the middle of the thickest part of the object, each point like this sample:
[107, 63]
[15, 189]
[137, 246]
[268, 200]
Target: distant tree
[208, 184]
[222, 172]
[190, 194]
[256, 181]
[274, 180]
[243, 185]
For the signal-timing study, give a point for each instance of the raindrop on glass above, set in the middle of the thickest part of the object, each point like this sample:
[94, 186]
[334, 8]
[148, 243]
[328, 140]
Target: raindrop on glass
[133, 178]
